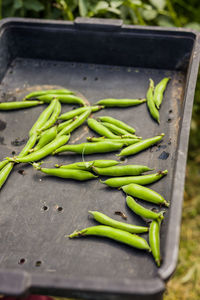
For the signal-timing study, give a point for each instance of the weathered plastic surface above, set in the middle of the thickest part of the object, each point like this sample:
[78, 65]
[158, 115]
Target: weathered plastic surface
[99, 59]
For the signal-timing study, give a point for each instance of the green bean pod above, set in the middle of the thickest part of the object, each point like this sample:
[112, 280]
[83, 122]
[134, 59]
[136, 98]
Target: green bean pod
[64, 124]
[45, 138]
[79, 175]
[53, 118]
[142, 211]
[45, 151]
[76, 123]
[159, 91]
[90, 148]
[18, 105]
[140, 146]
[100, 129]
[150, 102]
[118, 123]
[141, 180]
[154, 240]
[85, 165]
[63, 98]
[76, 112]
[126, 142]
[117, 130]
[105, 220]
[3, 163]
[43, 117]
[42, 92]
[5, 172]
[144, 193]
[31, 142]
[122, 170]
[120, 102]
[113, 233]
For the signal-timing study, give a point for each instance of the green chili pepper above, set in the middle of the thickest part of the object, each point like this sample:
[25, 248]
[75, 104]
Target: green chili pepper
[113, 233]
[18, 104]
[43, 117]
[85, 165]
[5, 172]
[117, 130]
[118, 123]
[141, 180]
[54, 91]
[105, 220]
[45, 138]
[126, 142]
[100, 129]
[76, 123]
[141, 211]
[120, 102]
[53, 118]
[76, 112]
[154, 240]
[140, 146]
[144, 193]
[122, 170]
[80, 175]
[159, 91]
[150, 102]
[90, 148]
[63, 98]
[45, 151]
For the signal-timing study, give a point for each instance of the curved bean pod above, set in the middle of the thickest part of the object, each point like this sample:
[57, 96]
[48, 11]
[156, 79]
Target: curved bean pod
[142, 211]
[154, 240]
[100, 129]
[144, 193]
[42, 92]
[43, 117]
[116, 234]
[140, 146]
[31, 142]
[45, 138]
[64, 124]
[122, 170]
[18, 105]
[105, 220]
[117, 123]
[63, 98]
[120, 102]
[117, 130]
[76, 123]
[5, 172]
[3, 163]
[150, 102]
[76, 112]
[53, 118]
[125, 141]
[85, 165]
[80, 175]
[45, 151]
[159, 91]
[141, 180]
[90, 148]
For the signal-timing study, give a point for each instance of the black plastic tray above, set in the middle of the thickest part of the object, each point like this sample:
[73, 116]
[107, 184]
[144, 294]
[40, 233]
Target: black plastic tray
[97, 58]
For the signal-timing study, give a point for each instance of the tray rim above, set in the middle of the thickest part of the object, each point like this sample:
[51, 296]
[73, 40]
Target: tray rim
[33, 281]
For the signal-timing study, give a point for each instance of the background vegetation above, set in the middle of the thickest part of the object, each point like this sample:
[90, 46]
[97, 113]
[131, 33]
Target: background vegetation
[182, 13]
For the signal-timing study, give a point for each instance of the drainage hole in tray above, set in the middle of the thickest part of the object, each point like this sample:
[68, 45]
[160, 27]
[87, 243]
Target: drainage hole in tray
[170, 111]
[96, 78]
[38, 263]
[84, 78]
[45, 208]
[169, 120]
[21, 261]
[59, 208]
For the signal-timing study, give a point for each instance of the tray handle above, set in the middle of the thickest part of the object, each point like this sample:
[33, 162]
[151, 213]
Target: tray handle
[14, 283]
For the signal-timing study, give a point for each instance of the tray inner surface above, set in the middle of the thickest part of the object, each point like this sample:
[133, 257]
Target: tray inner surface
[30, 232]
